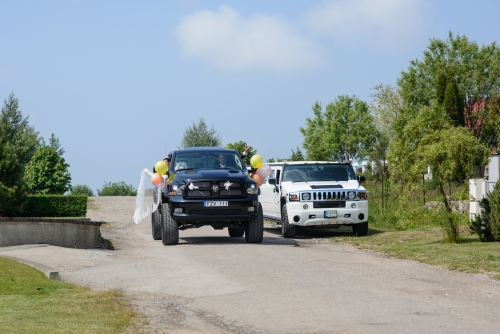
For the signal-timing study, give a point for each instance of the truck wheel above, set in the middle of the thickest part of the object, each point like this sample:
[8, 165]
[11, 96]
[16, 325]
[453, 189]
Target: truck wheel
[360, 229]
[254, 231]
[170, 230]
[287, 230]
[236, 232]
[156, 224]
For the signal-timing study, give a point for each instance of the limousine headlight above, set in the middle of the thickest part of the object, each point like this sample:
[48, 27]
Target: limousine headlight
[351, 195]
[306, 196]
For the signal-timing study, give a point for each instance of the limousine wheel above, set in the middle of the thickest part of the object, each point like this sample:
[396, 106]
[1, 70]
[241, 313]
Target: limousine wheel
[287, 230]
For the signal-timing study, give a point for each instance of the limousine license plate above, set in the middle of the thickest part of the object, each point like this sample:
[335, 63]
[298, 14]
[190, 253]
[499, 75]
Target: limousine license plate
[331, 214]
[216, 203]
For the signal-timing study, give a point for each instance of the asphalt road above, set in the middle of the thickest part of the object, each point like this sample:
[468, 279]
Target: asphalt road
[210, 283]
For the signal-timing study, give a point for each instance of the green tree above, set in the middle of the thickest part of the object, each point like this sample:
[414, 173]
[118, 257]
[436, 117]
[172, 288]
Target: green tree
[441, 83]
[116, 189]
[345, 131]
[453, 101]
[47, 172]
[494, 221]
[429, 139]
[199, 135]
[12, 187]
[385, 106]
[378, 157]
[15, 129]
[296, 155]
[240, 146]
[81, 189]
[54, 143]
[476, 72]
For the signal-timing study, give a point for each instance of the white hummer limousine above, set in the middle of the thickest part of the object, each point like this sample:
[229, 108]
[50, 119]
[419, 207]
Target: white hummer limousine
[314, 194]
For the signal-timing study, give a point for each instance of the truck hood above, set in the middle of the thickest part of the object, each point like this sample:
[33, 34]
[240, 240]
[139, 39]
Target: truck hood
[214, 174]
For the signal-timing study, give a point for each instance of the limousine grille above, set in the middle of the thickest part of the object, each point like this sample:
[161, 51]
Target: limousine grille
[328, 195]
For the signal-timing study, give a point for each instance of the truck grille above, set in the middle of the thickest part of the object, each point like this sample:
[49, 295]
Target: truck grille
[208, 189]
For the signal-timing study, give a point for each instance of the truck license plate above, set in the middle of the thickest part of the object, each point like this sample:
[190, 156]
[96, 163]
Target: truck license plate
[216, 203]
[331, 214]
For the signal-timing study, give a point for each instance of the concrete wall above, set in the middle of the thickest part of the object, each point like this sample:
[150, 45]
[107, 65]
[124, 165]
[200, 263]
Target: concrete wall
[72, 233]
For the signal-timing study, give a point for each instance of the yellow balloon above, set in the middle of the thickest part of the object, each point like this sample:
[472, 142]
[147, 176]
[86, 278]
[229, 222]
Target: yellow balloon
[256, 161]
[161, 167]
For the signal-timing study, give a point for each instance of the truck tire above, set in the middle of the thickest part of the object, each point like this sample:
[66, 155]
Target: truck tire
[360, 229]
[287, 230]
[156, 224]
[254, 231]
[170, 230]
[236, 232]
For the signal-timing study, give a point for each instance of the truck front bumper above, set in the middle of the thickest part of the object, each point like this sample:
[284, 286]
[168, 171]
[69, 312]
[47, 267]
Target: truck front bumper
[183, 210]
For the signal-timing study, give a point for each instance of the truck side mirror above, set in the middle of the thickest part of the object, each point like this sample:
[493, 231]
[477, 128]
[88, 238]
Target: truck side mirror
[361, 178]
[272, 181]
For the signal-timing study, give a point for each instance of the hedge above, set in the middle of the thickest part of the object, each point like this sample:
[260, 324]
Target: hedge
[55, 206]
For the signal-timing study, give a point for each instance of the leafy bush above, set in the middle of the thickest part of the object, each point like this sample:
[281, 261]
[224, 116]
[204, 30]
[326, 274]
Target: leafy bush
[494, 198]
[402, 212]
[12, 189]
[481, 224]
[81, 189]
[117, 189]
[47, 172]
[55, 206]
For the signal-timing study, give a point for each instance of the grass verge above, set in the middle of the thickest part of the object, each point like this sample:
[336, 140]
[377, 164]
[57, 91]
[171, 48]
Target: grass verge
[31, 303]
[426, 245]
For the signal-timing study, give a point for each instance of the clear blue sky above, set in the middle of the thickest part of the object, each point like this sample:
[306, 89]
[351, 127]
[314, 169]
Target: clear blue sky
[118, 82]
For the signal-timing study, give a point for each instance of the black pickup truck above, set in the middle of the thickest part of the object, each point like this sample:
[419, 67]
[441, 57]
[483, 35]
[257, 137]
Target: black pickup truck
[208, 186]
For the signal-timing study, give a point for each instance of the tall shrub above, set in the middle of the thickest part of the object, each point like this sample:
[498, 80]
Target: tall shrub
[494, 199]
[117, 189]
[12, 188]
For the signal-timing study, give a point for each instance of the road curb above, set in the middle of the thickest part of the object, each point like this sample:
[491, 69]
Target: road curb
[48, 271]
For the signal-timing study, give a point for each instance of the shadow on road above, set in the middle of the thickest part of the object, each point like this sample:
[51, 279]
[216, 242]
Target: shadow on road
[233, 241]
[309, 232]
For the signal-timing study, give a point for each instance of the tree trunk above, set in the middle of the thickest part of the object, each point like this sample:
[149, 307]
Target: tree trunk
[453, 228]
[383, 194]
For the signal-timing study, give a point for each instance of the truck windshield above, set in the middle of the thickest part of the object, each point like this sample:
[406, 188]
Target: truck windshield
[318, 172]
[204, 160]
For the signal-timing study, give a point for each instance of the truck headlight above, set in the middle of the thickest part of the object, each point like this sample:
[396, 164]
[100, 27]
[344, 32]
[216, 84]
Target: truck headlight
[306, 196]
[252, 189]
[351, 195]
[176, 190]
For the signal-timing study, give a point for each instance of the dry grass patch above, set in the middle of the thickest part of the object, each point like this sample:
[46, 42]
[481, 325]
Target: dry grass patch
[427, 246]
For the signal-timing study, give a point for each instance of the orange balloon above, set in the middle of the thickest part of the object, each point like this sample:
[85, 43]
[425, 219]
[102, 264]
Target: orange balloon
[156, 179]
[257, 178]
